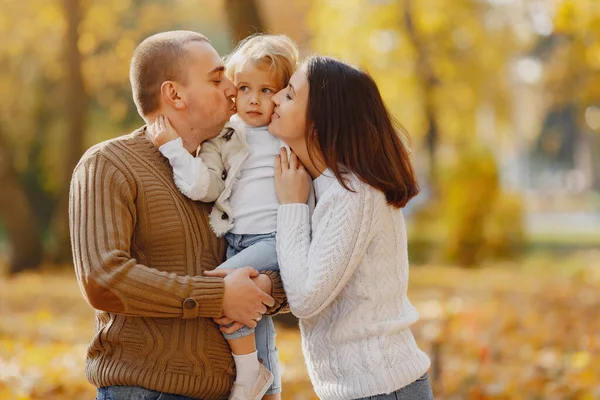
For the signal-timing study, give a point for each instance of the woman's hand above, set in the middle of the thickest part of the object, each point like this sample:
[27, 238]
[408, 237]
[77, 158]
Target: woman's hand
[292, 182]
[161, 131]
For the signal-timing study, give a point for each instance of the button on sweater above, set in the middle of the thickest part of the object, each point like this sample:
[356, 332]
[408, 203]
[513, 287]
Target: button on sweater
[140, 248]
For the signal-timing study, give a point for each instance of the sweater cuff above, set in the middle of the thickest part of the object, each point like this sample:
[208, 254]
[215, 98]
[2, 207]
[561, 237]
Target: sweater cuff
[278, 294]
[206, 298]
[171, 148]
[292, 214]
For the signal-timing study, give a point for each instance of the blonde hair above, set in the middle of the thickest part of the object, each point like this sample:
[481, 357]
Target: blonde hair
[278, 52]
[159, 58]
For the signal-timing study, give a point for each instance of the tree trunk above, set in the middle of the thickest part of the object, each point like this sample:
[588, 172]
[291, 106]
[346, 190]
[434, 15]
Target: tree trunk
[18, 217]
[428, 81]
[243, 18]
[76, 107]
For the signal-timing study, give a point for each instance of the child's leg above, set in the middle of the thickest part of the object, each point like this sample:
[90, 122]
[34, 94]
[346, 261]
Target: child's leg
[267, 352]
[261, 255]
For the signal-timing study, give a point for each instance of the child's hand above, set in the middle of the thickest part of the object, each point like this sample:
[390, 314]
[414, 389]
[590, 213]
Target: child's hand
[292, 182]
[161, 131]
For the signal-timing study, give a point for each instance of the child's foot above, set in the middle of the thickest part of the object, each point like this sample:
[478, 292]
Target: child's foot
[252, 390]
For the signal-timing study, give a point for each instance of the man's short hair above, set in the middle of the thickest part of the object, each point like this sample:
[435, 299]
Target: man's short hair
[159, 58]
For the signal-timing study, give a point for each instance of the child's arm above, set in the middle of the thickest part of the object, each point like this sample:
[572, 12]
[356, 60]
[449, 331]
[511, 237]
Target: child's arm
[194, 176]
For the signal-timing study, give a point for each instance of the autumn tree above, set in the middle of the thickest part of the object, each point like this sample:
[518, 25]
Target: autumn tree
[436, 62]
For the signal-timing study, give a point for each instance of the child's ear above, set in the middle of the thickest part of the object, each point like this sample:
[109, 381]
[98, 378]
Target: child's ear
[170, 93]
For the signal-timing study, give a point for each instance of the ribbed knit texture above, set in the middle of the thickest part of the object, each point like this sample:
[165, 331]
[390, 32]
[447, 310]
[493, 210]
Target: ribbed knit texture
[347, 282]
[140, 248]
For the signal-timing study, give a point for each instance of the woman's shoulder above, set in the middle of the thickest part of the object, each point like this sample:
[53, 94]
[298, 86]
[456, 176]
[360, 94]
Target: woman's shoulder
[354, 190]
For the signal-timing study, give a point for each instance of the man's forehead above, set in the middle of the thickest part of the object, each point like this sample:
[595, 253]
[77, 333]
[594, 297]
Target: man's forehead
[203, 55]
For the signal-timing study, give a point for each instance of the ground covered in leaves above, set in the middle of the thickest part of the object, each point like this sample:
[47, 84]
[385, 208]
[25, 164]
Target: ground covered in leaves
[526, 331]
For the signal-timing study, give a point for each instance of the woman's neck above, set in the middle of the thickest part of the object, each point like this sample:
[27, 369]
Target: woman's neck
[314, 167]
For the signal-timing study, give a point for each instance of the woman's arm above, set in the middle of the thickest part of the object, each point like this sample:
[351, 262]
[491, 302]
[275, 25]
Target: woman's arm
[315, 271]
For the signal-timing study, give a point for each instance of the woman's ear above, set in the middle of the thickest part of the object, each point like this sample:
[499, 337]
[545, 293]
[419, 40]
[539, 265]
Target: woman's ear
[169, 92]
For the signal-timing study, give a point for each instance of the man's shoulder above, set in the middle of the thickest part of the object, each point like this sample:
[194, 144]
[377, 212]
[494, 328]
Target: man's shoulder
[112, 147]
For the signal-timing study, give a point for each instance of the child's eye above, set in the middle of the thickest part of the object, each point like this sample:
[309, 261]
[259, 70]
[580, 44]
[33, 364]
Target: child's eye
[267, 90]
[243, 88]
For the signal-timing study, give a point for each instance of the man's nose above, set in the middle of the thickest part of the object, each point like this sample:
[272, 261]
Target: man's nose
[230, 90]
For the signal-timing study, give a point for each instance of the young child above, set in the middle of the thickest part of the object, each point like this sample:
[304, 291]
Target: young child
[235, 170]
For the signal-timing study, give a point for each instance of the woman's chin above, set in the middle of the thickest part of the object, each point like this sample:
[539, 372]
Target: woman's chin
[273, 127]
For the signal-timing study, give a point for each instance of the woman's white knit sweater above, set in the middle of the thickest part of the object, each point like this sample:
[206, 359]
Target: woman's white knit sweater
[348, 285]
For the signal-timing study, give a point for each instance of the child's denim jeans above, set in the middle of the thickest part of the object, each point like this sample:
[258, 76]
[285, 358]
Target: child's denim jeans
[259, 252]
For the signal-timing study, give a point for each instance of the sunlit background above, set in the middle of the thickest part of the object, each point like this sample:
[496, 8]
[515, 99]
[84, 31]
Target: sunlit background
[502, 101]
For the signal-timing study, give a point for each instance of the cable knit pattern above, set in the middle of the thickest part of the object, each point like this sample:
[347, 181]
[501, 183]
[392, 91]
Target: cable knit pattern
[348, 285]
[140, 248]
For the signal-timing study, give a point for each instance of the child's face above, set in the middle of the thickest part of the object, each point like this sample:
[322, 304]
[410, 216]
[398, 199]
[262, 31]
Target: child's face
[255, 85]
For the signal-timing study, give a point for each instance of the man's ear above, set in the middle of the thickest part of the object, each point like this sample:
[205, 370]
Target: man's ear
[170, 93]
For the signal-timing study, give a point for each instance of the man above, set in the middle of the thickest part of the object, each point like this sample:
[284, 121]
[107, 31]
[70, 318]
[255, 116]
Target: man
[140, 247]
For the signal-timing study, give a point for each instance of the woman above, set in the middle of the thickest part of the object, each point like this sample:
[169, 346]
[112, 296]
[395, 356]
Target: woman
[346, 278]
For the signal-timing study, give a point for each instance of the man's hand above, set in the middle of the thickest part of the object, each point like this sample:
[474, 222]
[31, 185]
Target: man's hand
[264, 283]
[243, 300]
[227, 325]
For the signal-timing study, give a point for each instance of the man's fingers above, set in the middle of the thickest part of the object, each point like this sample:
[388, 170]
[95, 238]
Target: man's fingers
[233, 328]
[223, 321]
[250, 323]
[218, 273]
[252, 273]
[267, 300]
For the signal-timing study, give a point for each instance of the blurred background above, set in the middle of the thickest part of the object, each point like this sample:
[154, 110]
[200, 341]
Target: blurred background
[502, 102]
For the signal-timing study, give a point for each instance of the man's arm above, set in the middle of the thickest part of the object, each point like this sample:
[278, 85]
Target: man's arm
[102, 218]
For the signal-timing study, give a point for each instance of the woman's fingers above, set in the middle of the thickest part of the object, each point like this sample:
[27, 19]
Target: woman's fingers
[293, 161]
[277, 166]
[284, 159]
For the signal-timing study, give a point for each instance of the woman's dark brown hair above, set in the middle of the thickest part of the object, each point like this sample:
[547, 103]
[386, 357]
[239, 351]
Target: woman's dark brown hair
[349, 123]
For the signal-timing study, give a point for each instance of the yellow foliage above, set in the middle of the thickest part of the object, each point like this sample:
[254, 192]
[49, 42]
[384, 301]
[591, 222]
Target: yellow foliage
[506, 332]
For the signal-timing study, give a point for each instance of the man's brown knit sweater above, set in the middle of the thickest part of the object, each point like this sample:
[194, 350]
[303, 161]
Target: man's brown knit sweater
[140, 248]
